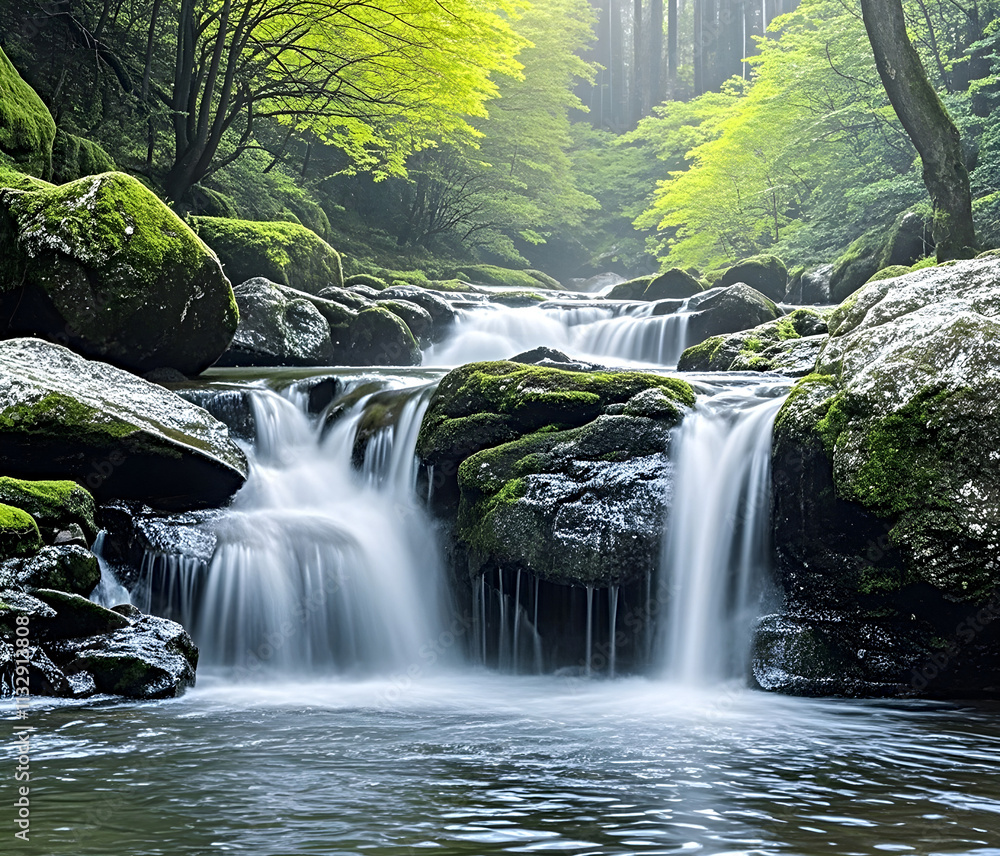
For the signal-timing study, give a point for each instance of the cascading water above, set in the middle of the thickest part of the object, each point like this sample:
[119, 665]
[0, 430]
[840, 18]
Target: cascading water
[717, 548]
[620, 332]
[320, 567]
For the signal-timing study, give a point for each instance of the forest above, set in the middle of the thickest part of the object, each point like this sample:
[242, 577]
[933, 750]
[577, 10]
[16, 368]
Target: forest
[565, 135]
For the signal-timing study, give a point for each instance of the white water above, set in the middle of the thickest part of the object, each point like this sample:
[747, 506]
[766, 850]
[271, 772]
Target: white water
[620, 332]
[319, 567]
[717, 548]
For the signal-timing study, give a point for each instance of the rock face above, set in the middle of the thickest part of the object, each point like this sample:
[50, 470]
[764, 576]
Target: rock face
[562, 474]
[377, 337]
[810, 287]
[103, 266]
[27, 129]
[767, 274]
[120, 436]
[81, 648]
[886, 491]
[277, 328]
[789, 345]
[283, 252]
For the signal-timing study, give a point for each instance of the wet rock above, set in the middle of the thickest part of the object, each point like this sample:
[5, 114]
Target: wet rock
[55, 505]
[810, 287]
[69, 568]
[75, 616]
[103, 266]
[728, 310]
[442, 313]
[27, 129]
[232, 407]
[377, 337]
[44, 677]
[277, 329]
[345, 297]
[766, 274]
[789, 345]
[19, 535]
[415, 317]
[886, 496]
[120, 436]
[674, 284]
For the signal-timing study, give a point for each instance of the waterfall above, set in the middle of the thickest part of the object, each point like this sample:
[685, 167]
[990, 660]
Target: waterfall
[717, 547]
[320, 566]
[614, 331]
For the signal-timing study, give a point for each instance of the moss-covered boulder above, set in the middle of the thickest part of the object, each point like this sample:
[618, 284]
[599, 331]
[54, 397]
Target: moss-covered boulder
[562, 474]
[527, 280]
[789, 345]
[631, 289]
[55, 505]
[64, 417]
[103, 266]
[27, 129]
[810, 287]
[366, 279]
[415, 317]
[377, 337]
[278, 327]
[767, 274]
[517, 299]
[886, 491]
[673, 284]
[75, 157]
[288, 253]
[19, 535]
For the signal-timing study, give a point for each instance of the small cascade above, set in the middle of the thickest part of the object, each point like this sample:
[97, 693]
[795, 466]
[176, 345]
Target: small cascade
[618, 331]
[319, 565]
[109, 592]
[717, 549]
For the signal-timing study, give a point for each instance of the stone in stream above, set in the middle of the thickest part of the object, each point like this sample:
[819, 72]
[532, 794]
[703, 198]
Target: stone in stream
[55, 505]
[562, 474]
[810, 287]
[443, 314]
[103, 266]
[67, 567]
[886, 493]
[789, 345]
[62, 416]
[766, 274]
[728, 310]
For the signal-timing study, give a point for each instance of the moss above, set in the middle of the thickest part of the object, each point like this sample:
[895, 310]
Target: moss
[456, 286]
[701, 357]
[493, 275]
[632, 289]
[27, 130]
[890, 272]
[765, 273]
[74, 157]
[287, 253]
[888, 580]
[53, 504]
[517, 298]
[19, 535]
[68, 416]
[366, 279]
[753, 345]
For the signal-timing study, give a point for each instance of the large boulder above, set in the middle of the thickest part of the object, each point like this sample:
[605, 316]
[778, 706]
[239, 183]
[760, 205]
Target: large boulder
[103, 266]
[886, 492]
[789, 345]
[278, 327]
[75, 157]
[27, 129]
[288, 253]
[810, 287]
[443, 314]
[767, 274]
[19, 535]
[631, 289]
[672, 284]
[724, 310]
[55, 505]
[68, 568]
[62, 416]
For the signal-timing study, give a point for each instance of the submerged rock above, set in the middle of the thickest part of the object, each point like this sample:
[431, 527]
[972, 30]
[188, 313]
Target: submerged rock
[120, 436]
[886, 492]
[103, 266]
[789, 345]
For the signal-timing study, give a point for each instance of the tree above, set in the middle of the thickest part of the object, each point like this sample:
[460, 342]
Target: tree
[928, 125]
[378, 79]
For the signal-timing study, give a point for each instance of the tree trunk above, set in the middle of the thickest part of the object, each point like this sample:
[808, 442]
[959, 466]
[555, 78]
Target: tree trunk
[655, 77]
[638, 61]
[672, 46]
[928, 125]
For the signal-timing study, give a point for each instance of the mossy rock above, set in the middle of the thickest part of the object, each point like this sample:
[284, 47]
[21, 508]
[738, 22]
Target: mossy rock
[516, 299]
[209, 202]
[526, 280]
[890, 272]
[75, 157]
[367, 279]
[673, 284]
[287, 253]
[415, 317]
[632, 289]
[766, 274]
[70, 568]
[103, 266]
[62, 416]
[728, 310]
[27, 129]
[19, 535]
[377, 337]
[55, 505]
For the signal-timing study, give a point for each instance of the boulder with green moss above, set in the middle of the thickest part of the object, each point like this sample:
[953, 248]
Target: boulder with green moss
[103, 266]
[27, 129]
[527, 280]
[377, 337]
[517, 299]
[65, 417]
[366, 279]
[673, 284]
[561, 474]
[886, 492]
[415, 317]
[443, 314]
[75, 157]
[288, 253]
[631, 289]
[723, 310]
[789, 345]
[767, 274]
[19, 535]
[69, 568]
[55, 505]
